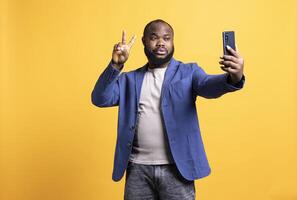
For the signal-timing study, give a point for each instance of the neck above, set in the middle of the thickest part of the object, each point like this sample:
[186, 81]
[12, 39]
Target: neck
[150, 65]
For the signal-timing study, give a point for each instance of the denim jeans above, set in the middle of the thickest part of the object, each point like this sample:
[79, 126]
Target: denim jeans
[157, 182]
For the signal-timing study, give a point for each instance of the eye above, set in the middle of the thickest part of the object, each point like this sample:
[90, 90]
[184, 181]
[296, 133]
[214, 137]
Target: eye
[153, 38]
[167, 38]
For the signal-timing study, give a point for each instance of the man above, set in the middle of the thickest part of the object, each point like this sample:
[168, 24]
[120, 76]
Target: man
[159, 144]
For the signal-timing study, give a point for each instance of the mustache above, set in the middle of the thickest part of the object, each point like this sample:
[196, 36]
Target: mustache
[155, 60]
[160, 48]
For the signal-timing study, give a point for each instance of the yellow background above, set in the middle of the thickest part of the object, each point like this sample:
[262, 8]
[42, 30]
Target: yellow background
[55, 145]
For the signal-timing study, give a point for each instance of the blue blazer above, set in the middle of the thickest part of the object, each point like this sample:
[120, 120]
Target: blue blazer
[182, 84]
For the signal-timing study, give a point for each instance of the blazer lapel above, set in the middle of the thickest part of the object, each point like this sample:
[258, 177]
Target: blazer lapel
[139, 75]
[170, 71]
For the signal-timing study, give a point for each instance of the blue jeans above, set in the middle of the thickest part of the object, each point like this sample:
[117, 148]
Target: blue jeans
[157, 182]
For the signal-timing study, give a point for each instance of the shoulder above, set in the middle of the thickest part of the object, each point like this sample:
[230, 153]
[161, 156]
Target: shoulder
[131, 74]
[188, 67]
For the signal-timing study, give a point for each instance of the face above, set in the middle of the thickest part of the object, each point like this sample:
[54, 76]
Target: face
[158, 44]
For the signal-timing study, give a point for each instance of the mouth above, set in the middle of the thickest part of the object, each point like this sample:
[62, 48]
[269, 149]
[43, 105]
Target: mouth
[160, 51]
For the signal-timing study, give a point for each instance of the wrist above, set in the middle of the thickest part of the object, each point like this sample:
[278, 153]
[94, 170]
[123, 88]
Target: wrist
[117, 65]
[235, 81]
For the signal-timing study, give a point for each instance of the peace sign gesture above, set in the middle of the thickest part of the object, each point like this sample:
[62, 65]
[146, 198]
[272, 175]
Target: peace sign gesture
[121, 51]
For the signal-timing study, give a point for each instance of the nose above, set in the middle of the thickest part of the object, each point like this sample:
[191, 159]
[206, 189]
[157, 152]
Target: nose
[160, 43]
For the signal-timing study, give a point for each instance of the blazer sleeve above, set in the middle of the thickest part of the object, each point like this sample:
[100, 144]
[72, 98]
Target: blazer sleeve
[212, 86]
[106, 92]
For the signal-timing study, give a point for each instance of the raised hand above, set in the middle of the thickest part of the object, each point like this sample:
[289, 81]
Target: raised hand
[121, 51]
[233, 64]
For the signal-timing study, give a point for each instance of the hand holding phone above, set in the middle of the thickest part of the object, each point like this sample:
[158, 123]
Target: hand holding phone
[232, 61]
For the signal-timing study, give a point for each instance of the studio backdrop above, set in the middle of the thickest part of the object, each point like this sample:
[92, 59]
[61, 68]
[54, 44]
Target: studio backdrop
[56, 145]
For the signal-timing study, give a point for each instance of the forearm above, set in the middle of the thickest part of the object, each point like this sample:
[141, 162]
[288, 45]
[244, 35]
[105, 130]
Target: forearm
[213, 86]
[106, 90]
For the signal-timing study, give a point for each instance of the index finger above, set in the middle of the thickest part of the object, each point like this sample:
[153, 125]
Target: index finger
[124, 37]
[130, 44]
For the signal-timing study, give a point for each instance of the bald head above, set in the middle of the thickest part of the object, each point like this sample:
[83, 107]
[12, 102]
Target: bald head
[155, 24]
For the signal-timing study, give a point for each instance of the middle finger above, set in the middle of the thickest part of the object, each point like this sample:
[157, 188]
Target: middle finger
[229, 64]
[229, 58]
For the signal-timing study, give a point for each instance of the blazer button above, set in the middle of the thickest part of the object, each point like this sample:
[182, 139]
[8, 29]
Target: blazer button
[129, 145]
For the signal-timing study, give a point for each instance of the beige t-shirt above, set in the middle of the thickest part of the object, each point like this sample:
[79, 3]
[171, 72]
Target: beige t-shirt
[150, 144]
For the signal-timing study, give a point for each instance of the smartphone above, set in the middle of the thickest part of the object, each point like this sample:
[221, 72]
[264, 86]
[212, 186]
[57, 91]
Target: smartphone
[228, 39]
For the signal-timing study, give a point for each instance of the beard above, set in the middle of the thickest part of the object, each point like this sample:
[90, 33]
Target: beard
[155, 61]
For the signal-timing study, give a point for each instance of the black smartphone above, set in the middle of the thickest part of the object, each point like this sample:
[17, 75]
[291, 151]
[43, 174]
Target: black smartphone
[228, 39]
